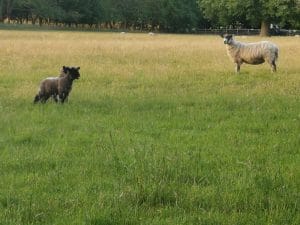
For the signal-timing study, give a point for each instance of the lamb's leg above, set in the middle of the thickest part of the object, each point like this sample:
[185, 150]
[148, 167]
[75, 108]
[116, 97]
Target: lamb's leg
[54, 97]
[62, 97]
[40, 97]
[66, 97]
[44, 98]
[237, 67]
[37, 98]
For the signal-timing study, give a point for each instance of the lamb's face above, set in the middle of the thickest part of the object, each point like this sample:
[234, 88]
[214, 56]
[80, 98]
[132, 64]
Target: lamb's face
[72, 71]
[228, 38]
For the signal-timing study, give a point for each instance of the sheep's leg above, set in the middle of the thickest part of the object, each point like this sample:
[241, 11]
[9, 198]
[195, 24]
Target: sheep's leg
[273, 66]
[272, 63]
[237, 67]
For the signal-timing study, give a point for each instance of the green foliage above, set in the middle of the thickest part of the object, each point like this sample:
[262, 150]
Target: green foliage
[250, 12]
[180, 14]
[164, 15]
[167, 15]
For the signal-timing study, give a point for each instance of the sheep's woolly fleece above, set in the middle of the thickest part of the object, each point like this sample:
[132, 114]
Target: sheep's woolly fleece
[251, 53]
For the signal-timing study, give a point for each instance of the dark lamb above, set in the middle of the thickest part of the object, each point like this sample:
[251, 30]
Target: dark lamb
[58, 88]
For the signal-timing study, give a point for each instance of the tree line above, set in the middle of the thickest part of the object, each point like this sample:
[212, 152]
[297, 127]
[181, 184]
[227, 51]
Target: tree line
[182, 16]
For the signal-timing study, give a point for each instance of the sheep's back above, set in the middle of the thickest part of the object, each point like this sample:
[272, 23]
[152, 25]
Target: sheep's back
[256, 53]
[49, 85]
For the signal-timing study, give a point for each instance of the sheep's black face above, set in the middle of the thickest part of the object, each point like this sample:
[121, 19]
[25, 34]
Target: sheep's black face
[73, 71]
[228, 39]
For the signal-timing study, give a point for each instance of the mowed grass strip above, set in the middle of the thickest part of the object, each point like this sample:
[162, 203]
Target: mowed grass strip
[158, 130]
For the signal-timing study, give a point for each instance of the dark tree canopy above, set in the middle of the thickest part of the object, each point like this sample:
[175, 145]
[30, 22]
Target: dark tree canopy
[161, 15]
[252, 13]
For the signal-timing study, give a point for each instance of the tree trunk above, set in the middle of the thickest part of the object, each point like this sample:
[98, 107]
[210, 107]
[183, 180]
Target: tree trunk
[33, 19]
[265, 29]
[1, 6]
[40, 21]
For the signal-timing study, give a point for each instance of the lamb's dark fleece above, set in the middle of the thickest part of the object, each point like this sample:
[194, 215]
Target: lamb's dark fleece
[58, 87]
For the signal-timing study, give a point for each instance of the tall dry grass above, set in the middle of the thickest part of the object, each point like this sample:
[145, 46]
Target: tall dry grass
[30, 56]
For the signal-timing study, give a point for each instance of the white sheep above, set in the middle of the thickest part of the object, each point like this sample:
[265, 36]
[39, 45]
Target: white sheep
[251, 53]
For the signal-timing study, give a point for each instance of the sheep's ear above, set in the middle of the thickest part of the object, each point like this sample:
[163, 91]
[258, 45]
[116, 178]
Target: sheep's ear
[222, 35]
[78, 68]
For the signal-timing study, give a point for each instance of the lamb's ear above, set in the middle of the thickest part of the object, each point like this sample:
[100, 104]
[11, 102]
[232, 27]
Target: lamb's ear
[222, 35]
[78, 68]
[65, 69]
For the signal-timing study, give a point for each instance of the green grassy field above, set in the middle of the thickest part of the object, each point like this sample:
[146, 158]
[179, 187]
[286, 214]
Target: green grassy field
[158, 130]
